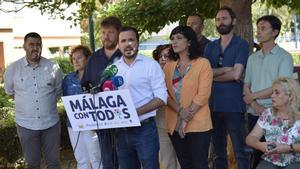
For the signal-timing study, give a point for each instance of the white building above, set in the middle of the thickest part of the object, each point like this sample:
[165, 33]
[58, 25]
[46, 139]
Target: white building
[14, 26]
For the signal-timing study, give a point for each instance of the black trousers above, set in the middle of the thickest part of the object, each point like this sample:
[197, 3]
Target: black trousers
[192, 150]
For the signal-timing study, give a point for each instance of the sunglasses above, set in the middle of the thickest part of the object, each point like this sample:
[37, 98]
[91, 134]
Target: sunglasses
[220, 61]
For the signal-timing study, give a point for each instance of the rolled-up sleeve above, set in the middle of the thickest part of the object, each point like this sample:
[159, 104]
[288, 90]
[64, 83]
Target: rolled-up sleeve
[158, 84]
[205, 82]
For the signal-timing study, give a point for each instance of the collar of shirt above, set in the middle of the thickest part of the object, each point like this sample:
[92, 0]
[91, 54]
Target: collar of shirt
[274, 50]
[137, 58]
[232, 41]
[26, 63]
[115, 55]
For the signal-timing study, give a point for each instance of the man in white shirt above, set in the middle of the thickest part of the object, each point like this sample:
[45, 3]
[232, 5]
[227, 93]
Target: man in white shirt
[138, 146]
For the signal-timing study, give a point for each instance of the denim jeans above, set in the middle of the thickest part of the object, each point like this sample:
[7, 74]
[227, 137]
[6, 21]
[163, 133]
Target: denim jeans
[233, 123]
[192, 150]
[107, 148]
[138, 146]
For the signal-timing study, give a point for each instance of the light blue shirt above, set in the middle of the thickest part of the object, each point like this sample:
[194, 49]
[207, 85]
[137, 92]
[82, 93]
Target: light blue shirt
[145, 80]
[262, 69]
[35, 90]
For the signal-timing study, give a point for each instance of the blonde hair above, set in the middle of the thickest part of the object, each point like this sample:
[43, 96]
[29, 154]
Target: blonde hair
[292, 88]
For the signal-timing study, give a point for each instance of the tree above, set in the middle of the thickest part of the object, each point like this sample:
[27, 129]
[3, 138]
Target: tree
[151, 15]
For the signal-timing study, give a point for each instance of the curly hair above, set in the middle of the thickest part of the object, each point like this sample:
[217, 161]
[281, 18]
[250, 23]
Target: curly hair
[292, 88]
[85, 50]
[156, 54]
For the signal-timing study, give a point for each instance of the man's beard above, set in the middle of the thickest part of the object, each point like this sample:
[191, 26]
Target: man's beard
[130, 52]
[109, 45]
[225, 29]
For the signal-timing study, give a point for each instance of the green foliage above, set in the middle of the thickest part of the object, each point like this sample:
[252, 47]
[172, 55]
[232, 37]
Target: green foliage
[153, 15]
[64, 64]
[5, 100]
[10, 148]
[296, 58]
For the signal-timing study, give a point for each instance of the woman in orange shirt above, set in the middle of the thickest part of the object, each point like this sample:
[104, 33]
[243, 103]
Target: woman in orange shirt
[188, 79]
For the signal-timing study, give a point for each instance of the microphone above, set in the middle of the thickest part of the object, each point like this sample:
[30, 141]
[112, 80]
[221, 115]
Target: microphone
[108, 85]
[108, 72]
[86, 86]
[117, 80]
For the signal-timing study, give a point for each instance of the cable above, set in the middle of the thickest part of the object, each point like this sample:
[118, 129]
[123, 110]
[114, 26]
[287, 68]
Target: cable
[69, 164]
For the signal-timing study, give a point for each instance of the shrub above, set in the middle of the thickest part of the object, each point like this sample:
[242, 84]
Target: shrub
[5, 100]
[10, 148]
[64, 64]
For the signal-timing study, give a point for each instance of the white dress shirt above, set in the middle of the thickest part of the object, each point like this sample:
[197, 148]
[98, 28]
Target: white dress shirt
[145, 80]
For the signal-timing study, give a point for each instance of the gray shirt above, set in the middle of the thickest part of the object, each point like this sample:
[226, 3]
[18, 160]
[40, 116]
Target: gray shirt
[35, 90]
[262, 69]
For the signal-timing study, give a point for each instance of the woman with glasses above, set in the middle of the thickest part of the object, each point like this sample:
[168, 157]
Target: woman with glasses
[281, 127]
[188, 80]
[167, 156]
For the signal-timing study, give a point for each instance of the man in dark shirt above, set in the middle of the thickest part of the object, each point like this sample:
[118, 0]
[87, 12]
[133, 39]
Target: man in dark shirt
[228, 56]
[99, 60]
[196, 21]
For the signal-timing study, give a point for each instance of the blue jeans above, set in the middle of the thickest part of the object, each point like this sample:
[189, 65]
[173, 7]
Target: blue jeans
[234, 124]
[107, 148]
[138, 146]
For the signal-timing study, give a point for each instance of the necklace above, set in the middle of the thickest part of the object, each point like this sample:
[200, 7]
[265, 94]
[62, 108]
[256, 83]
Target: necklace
[183, 68]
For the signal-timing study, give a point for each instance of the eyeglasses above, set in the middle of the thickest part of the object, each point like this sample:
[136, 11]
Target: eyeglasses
[164, 57]
[220, 61]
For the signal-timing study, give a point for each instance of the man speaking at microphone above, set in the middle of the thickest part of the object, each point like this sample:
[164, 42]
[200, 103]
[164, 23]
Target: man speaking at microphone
[138, 146]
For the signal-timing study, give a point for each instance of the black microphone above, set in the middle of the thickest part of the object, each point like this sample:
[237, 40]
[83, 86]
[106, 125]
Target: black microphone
[86, 86]
[109, 71]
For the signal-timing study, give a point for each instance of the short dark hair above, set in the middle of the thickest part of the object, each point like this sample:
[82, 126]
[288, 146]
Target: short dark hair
[112, 21]
[85, 50]
[191, 36]
[273, 20]
[130, 28]
[32, 35]
[200, 16]
[229, 10]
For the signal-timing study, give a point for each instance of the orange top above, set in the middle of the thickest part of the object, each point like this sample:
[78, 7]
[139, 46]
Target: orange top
[196, 87]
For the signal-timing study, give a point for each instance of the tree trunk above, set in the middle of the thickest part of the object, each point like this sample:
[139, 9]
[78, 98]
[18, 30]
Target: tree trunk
[242, 9]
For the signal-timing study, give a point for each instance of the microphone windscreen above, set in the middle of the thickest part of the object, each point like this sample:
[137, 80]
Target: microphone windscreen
[117, 80]
[108, 86]
[110, 70]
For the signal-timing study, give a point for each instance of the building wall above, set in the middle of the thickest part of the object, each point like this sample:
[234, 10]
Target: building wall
[54, 32]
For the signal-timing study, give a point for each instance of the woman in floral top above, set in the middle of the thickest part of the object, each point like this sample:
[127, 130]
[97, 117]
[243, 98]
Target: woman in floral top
[281, 127]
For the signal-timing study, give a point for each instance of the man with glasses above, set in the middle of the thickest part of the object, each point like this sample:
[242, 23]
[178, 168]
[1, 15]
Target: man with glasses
[228, 56]
[263, 67]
